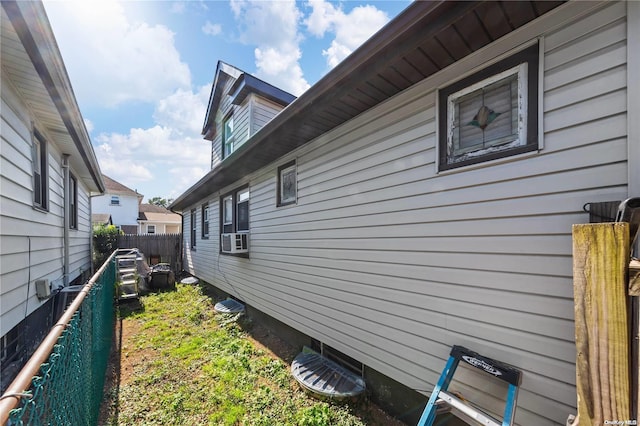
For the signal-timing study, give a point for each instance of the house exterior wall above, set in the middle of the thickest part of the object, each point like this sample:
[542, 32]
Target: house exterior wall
[161, 227]
[263, 111]
[225, 108]
[392, 263]
[31, 246]
[124, 214]
[248, 117]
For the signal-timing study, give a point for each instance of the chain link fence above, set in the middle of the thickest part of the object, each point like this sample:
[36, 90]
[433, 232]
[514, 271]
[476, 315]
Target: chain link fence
[68, 387]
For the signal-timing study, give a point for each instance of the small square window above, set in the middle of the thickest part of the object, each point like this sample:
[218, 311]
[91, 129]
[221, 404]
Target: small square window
[491, 114]
[287, 184]
[115, 200]
[151, 229]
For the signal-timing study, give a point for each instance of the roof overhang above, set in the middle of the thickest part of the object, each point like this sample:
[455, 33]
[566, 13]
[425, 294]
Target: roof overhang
[425, 38]
[247, 84]
[32, 61]
[224, 72]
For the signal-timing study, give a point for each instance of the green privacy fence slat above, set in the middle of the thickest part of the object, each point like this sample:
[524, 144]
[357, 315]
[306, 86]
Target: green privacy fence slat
[69, 387]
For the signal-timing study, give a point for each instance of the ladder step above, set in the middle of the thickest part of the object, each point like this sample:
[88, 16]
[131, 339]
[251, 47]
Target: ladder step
[491, 367]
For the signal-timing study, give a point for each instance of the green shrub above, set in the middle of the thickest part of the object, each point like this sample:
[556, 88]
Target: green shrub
[105, 241]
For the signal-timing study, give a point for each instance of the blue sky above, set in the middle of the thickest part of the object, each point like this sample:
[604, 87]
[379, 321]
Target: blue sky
[142, 70]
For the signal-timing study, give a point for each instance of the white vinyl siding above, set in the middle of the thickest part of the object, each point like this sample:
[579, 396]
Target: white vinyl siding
[263, 111]
[391, 263]
[32, 241]
[248, 118]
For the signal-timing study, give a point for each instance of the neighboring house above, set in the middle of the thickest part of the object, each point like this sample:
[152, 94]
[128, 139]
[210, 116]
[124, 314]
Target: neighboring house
[422, 194]
[99, 219]
[154, 219]
[121, 203]
[49, 172]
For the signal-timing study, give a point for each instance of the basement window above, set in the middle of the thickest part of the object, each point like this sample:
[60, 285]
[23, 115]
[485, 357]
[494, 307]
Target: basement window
[491, 114]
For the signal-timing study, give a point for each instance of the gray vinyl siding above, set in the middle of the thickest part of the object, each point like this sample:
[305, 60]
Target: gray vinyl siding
[241, 122]
[392, 263]
[263, 111]
[225, 108]
[31, 246]
[248, 117]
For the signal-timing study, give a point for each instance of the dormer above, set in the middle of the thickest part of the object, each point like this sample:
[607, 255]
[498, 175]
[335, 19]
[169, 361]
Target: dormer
[239, 106]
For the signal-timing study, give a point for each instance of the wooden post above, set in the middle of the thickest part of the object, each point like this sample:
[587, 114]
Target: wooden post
[603, 340]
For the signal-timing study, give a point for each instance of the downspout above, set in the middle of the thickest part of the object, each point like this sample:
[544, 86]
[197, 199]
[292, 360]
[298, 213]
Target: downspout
[65, 232]
[91, 268]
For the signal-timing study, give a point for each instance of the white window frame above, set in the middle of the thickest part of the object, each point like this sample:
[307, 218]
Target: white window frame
[205, 221]
[521, 72]
[228, 137]
[227, 210]
[150, 227]
[115, 200]
[242, 197]
[40, 165]
[282, 171]
[73, 202]
[526, 65]
[193, 231]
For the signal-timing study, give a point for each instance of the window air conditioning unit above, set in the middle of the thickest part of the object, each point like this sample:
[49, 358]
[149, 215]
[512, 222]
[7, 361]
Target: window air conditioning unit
[235, 243]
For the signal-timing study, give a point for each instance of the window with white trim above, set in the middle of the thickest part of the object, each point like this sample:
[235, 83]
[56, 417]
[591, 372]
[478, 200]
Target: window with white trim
[287, 184]
[227, 136]
[205, 221]
[40, 167]
[115, 200]
[235, 211]
[151, 229]
[73, 202]
[491, 114]
[193, 229]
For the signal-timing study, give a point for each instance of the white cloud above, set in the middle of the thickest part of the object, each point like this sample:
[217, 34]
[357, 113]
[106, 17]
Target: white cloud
[272, 26]
[88, 124]
[350, 29]
[177, 7]
[163, 160]
[211, 29]
[115, 60]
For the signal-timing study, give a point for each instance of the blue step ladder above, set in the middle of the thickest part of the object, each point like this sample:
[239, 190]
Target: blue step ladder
[440, 396]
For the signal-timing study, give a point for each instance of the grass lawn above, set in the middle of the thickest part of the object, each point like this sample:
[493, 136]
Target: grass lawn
[176, 362]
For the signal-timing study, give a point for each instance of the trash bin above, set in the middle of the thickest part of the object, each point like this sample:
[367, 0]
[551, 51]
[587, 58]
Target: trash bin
[162, 277]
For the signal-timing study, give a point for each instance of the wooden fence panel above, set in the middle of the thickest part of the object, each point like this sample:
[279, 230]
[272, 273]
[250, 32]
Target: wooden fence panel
[157, 248]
